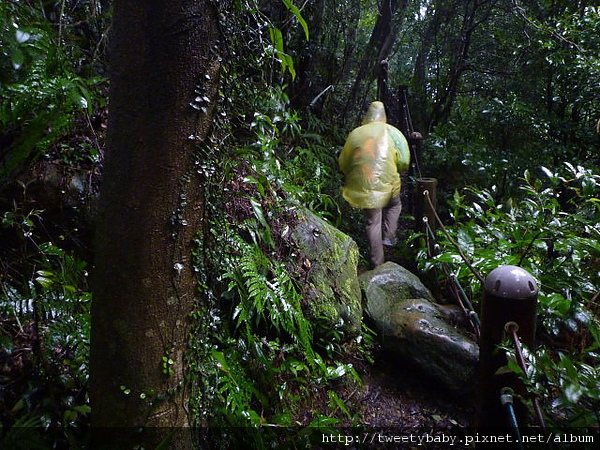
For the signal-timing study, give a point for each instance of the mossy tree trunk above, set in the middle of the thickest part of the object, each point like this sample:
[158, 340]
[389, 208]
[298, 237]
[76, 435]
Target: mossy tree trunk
[162, 55]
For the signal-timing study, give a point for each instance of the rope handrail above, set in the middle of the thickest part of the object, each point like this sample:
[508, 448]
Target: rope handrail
[490, 309]
[511, 328]
[457, 290]
[452, 241]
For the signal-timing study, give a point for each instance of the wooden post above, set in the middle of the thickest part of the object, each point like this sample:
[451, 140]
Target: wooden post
[426, 187]
[425, 202]
[510, 301]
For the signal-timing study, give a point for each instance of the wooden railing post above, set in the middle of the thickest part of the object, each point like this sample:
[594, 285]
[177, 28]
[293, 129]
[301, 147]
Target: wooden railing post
[509, 303]
[425, 187]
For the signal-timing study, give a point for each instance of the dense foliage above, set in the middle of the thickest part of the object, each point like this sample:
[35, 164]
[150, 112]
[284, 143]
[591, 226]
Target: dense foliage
[262, 360]
[47, 78]
[505, 95]
[551, 230]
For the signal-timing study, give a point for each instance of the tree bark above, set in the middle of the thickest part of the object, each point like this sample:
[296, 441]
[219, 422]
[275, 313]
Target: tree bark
[380, 44]
[438, 12]
[446, 47]
[164, 74]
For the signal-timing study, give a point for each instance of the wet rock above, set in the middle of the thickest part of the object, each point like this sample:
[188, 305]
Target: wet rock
[330, 259]
[384, 285]
[414, 331]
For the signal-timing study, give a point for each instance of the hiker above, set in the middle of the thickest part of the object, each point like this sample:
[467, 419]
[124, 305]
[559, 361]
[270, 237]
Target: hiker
[372, 158]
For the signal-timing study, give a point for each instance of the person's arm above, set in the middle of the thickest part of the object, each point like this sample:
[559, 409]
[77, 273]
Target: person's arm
[402, 150]
[345, 158]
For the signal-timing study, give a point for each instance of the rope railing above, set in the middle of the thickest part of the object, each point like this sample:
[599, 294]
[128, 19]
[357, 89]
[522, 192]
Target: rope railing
[510, 297]
[511, 329]
[452, 241]
[456, 288]
[502, 302]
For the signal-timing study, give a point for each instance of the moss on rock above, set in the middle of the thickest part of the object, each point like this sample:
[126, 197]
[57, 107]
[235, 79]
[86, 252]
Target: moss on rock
[330, 258]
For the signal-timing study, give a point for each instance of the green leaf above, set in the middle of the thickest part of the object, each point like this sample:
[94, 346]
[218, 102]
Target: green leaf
[548, 173]
[336, 401]
[465, 242]
[324, 421]
[286, 60]
[573, 392]
[276, 38]
[448, 258]
[221, 362]
[17, 57]
[588, 185]
[556, 302]
[570, 369]
[337, 372]
[283, 419]
[289, 5]
[289, 63]
[45, 278]
[253, 417]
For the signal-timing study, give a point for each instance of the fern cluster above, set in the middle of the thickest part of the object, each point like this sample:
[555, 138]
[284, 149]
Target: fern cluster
[264, 351]
[268, 297]
[41, 93]
[256, 362]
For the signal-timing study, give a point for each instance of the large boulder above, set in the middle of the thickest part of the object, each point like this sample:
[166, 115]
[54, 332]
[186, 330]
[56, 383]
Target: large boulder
[415, 331]
[385, 285]
[330, 259]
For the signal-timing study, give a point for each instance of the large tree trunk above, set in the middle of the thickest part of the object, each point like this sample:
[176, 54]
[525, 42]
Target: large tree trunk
[378, 49]
[163, 59]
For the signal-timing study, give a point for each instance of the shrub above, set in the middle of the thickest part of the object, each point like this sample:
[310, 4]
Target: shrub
[551, 230]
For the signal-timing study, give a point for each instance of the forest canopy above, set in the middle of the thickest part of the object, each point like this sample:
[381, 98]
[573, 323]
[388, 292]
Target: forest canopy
[505, 94]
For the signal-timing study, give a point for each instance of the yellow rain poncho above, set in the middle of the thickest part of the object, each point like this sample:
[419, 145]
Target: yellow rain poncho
[372, 159]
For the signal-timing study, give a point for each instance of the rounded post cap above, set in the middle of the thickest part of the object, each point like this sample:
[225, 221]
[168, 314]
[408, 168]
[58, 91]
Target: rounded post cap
[511, 282]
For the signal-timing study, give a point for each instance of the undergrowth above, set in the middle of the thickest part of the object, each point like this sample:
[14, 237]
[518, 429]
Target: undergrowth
[44, 340]
[261, 358]
[551, 230]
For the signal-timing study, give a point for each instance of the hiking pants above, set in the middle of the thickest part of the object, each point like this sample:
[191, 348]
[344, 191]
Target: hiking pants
[382, 223]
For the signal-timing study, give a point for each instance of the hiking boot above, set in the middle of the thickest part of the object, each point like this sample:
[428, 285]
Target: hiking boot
[390, 242]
